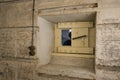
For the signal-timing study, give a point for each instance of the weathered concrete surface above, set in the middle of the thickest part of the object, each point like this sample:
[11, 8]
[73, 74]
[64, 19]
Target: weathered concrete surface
[15, 38]
[16, 14]
[108, 15]
[8, 70]
[107, 47]
[109, 3]
[7, 42]
[108, 73]
[73, 61]
[26, 70]
[54, 77]
[15, 42]
[66, 70]
[48, 4]
[80, 1]
[17, 69]
[108, 40]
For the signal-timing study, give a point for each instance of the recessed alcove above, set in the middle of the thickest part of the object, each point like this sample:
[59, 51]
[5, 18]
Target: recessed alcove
[52, 63]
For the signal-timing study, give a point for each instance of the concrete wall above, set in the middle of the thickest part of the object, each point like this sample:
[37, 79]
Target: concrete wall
[9, 17]
[107, 35]
[46, 35]
[15, 38]
[107, 47]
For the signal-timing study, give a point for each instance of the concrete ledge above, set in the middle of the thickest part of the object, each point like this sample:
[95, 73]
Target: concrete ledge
[56, 77]
[64, 3]
[70, 71]
[73, 61]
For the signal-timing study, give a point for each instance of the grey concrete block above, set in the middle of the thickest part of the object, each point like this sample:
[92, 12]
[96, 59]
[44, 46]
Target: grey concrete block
[107, 47]
[108, 15]
[107, 73]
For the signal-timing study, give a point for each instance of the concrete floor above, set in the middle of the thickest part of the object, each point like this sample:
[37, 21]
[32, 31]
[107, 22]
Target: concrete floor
[56, 77]
[65, 70]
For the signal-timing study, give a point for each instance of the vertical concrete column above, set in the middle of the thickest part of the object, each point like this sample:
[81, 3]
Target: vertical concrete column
[108, 41]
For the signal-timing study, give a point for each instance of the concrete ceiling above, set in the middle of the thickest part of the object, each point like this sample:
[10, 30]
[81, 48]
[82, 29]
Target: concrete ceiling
[90, 16]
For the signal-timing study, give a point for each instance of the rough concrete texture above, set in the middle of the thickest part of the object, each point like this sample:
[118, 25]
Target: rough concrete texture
[108, 73]
[8, 70]
[15, 38]
[14, 41]
[109, 3]
[17, 70]
[50, 4]
[104, 18]
[73, 61]
[16, 14]
[58, 77]
[66, 70]
[108, 48]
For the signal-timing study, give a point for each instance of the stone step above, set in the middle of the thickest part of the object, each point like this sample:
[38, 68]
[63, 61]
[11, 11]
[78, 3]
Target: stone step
[66, 70]
[56, 77]
[73, 61]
